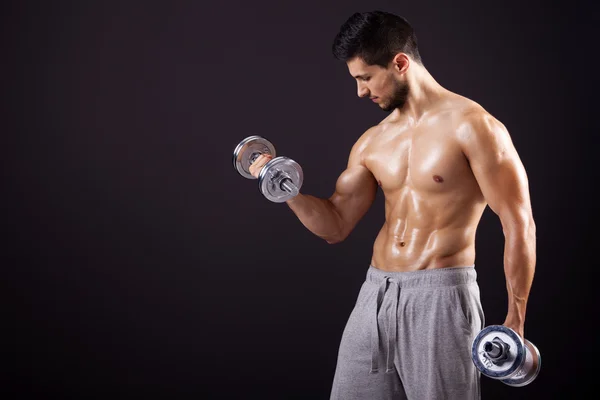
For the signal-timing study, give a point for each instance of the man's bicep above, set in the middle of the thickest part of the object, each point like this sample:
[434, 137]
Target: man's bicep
[355, 191]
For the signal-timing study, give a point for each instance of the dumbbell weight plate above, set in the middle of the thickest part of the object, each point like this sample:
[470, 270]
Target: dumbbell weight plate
[530, 369]
[516, 353]
[244, 151]
[272, 175]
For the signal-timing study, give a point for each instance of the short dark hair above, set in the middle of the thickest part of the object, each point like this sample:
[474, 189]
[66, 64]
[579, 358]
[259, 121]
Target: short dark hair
[375, 37]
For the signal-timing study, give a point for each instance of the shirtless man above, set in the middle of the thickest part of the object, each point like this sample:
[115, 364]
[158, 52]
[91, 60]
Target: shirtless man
[439, 159]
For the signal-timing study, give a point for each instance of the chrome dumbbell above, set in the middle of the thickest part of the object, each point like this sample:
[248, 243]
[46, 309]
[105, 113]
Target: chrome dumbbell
[500, 353]
[279, 180]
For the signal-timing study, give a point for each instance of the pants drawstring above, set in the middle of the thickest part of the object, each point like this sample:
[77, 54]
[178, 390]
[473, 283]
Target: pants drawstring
[392, 319]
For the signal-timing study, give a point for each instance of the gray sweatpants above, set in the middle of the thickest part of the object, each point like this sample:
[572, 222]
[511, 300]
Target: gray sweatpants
[409, 337]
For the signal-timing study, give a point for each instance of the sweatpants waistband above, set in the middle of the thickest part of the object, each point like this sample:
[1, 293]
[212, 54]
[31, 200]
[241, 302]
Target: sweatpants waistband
[448, 276]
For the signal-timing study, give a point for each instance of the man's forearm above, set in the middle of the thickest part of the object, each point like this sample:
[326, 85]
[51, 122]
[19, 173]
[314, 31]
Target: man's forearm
[318, 216]
[519, 268]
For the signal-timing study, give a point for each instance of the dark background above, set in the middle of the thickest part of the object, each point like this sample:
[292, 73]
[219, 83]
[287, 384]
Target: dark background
[137, 262]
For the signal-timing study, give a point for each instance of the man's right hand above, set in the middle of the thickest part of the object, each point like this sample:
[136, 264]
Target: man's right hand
[259, 163]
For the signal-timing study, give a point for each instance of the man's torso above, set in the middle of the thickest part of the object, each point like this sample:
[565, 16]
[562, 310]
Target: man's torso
[433, 203]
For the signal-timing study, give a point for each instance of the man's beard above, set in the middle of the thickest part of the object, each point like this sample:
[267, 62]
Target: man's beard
[399, 97]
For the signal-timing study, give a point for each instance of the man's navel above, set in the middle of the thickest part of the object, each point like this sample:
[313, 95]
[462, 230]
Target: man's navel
[438, 178]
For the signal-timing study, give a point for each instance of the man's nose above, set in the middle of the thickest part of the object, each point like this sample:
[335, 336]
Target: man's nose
[362, 90]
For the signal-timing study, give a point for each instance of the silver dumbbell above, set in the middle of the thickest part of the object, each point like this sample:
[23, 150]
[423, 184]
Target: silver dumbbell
[500, 353]
[279, 180]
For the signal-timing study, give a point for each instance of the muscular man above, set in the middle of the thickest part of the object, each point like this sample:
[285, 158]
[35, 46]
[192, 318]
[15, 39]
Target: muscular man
[439, 159]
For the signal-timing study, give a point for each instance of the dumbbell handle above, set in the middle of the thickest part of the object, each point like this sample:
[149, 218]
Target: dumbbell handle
[496, 350]
[285, 184]
[254, 156]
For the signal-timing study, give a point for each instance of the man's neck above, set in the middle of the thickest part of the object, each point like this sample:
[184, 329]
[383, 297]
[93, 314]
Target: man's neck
[423, 93]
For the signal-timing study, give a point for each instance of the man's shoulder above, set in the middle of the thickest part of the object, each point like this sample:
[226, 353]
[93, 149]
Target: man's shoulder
[368, 135]
[363, 141]
[471, 118]
[469, 112]
[361, 145]
[476, 128]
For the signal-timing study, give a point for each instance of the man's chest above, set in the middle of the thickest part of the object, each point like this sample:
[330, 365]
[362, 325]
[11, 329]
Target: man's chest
[427, 159]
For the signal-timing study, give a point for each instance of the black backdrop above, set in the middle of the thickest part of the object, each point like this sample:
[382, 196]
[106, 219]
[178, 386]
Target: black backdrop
[137, 262]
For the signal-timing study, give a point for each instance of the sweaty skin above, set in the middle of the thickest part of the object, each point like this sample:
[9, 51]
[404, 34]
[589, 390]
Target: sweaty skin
[439, 159]
[432, 200]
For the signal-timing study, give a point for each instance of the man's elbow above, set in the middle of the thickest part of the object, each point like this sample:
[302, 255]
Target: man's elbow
[336, 239]
[343, 230]
[519, 222]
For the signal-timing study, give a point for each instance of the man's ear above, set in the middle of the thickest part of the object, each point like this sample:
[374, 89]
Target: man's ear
[401, 61]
